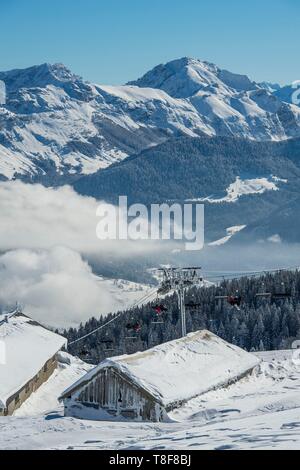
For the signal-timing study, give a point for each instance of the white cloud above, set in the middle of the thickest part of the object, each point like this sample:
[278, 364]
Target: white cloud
[43, 234]
[57, 287]
[275, 239]
[33, 216]
[36, 217]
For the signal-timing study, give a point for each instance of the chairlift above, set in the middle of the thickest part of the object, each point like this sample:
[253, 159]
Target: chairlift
[282, 293]
[260, 296]
[157, 322]
[108, 344]
[84, 352]
[159, 309]
[220, 298]
[135, 328]
[263, 295]
[86, 355]
[165, 288]
[233, 300]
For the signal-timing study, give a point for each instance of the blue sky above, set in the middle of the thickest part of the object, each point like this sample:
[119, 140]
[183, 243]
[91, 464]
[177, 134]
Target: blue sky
[113, 41]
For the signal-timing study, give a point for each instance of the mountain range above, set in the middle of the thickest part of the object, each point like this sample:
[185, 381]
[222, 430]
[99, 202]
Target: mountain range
[242, 183]
[55, 126]
[185, 131]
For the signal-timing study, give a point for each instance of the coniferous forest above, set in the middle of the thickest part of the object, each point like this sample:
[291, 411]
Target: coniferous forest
[262, 322]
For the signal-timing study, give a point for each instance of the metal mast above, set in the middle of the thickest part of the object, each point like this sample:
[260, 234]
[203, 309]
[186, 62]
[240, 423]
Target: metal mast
[179, 279]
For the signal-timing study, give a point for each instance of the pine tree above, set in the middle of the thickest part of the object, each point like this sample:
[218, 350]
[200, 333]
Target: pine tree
[268, 324]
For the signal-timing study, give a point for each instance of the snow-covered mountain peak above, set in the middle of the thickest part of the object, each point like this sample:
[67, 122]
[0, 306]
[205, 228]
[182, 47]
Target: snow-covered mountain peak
[61, 72]
[55, 124]
[183, 78]
[179, 78]
[272, 87]
[38, 76]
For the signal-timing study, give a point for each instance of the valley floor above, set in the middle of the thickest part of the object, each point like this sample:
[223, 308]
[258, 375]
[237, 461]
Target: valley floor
[260, 412]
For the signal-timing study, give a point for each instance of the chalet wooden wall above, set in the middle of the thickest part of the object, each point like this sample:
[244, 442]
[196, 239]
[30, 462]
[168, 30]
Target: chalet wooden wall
[16, 400]
[117, 395]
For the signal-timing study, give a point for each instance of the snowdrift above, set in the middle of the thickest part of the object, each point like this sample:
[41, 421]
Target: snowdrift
[27, 346]
[182, 369]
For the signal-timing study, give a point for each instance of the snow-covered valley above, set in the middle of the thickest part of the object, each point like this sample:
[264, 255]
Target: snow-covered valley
[259, 412]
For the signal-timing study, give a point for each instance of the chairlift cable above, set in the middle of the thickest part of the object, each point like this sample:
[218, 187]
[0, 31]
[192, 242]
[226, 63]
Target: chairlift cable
[230, 275]
[136, 304]
[221, 276]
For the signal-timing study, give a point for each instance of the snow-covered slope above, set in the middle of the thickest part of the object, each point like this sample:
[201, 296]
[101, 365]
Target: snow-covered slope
[181, 369]
[258, 412]
[231, 231]
[229, 103]
[47, 124]
[28, 346]
[45, 399]
[289, 93]
[123, 293]
[245, 187]
[55, 125]
[184, 77]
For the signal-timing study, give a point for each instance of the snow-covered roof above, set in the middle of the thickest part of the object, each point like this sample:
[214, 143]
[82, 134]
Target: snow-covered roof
[26, 347]
[181, 369]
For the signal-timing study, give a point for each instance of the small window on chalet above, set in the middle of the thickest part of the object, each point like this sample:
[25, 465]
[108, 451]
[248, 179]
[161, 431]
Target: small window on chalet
[17, 399]
[27, 388]
[45, 368]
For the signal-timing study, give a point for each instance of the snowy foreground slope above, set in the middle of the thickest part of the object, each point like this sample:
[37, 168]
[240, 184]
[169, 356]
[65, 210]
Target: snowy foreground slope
[176, 371]
[45, 399]
[259, 412]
